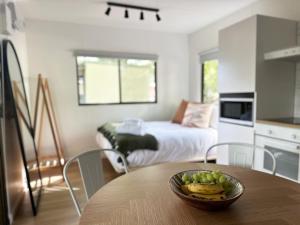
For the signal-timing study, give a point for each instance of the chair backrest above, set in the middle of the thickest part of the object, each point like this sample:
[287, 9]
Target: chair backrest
[243, 154]
[91, 171]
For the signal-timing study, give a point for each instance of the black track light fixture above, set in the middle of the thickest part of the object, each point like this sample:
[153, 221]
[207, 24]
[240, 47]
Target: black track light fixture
[126, 15]
[134, 7]
[107, 12]
[158, 17]
[142, 15]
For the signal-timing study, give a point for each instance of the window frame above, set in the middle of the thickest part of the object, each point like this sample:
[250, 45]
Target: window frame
[202, 81]
[212, 54]
[119, 58]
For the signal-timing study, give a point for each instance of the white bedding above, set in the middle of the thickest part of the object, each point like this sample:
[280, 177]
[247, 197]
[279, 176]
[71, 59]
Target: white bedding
[176, 143]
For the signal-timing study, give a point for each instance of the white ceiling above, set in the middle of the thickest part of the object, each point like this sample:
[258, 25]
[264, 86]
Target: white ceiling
[180, 16]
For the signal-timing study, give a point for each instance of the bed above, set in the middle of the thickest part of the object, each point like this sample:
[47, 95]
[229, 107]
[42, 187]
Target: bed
[176, 143]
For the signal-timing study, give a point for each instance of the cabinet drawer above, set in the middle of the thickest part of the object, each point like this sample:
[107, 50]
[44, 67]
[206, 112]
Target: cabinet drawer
[286, 153]
[273, 131]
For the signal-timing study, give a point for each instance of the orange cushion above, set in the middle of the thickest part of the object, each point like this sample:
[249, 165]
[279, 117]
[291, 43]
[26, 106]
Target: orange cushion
[180, 112]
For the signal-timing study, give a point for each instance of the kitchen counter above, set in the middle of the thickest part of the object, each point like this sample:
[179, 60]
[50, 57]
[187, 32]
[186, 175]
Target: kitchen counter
[283, 122]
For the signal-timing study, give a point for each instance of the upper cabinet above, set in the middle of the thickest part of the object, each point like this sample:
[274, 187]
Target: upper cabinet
[243, 67]
[275, 80]
[237, 68]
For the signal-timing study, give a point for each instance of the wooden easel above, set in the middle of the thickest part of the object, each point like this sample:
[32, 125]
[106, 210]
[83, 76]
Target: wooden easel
[19, 97]
[43, 102]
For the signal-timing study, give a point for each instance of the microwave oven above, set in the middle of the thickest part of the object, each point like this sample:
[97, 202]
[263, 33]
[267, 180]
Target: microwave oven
[237, 108]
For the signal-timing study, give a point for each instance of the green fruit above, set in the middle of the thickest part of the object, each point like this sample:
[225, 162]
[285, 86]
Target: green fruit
[203, 175]
[204, 180]
[215, 175]
[185, 178]
[209, 177]
[222, 179]
[187, 182]
[195, 177]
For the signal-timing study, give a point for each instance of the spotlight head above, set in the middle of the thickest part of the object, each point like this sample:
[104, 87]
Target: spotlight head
[142, 15]
[158, 17]
[126, 15]
[107, 12]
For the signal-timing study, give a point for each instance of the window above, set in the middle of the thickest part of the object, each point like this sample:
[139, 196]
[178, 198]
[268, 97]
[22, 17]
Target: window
[209, 78]
[115, 80]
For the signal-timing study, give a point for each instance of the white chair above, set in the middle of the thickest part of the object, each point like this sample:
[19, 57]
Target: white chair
[244, 155]
[90, 166]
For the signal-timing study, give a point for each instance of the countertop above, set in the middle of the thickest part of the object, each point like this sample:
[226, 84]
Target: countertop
[279, 123]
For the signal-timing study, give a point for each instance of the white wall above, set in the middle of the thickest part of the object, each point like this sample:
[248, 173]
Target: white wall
[207, 37]
[50, 46]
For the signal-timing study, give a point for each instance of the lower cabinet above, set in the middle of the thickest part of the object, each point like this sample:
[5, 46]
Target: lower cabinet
[283, 143]
[234, 133]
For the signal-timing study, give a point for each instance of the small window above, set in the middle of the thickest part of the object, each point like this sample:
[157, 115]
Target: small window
[209, 90]
[110, 80]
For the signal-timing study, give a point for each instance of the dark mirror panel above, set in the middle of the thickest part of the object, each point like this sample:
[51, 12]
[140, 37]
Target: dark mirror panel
[3, 192]
[17, 98]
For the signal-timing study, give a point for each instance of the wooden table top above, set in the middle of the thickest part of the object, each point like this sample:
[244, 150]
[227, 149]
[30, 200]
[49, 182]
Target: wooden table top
[143, 197]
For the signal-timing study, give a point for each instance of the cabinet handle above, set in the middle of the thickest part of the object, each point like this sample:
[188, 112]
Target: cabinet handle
[294, 136]
[270, 132]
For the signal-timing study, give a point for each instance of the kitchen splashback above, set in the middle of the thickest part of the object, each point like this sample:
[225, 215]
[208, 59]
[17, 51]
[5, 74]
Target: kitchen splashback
[297, 94]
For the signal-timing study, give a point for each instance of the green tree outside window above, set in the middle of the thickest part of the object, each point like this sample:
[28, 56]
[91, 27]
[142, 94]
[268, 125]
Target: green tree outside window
[210, 81]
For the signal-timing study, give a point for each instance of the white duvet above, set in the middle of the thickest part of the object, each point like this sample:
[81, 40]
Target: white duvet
[176, 143]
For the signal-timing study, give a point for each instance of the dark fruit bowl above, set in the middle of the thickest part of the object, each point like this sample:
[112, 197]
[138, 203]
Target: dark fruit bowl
[237, 191]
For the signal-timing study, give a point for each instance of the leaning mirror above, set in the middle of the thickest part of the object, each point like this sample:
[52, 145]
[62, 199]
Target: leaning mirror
[17, 92]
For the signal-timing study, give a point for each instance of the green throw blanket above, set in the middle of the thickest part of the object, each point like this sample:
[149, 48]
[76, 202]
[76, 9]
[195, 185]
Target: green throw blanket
[127, 143]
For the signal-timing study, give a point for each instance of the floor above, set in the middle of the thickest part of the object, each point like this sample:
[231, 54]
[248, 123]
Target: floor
[56, 206]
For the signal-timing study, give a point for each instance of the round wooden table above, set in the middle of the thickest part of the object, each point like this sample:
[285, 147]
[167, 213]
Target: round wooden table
[144, 197]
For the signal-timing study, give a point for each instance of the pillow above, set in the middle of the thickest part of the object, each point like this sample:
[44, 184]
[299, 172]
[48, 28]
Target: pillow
[197, 115]
[180, 112]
